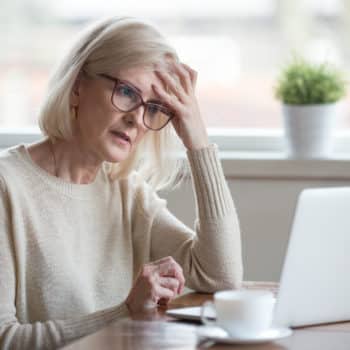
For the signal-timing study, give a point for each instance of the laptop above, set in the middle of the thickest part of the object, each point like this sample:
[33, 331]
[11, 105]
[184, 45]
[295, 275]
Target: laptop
[314, 287]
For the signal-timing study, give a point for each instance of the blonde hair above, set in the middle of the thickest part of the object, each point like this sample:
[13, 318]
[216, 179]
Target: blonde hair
[116, 43]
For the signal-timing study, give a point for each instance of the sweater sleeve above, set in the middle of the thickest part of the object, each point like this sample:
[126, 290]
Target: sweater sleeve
[51, 334]
[211, 255]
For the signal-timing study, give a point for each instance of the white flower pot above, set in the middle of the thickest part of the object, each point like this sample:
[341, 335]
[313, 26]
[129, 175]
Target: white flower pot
[309, 129]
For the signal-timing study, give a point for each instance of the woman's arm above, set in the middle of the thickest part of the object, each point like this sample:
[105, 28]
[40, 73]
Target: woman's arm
[39, 335]
[54, 333]
[210, 257]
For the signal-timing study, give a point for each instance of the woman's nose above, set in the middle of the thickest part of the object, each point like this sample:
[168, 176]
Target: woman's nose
[135, 117]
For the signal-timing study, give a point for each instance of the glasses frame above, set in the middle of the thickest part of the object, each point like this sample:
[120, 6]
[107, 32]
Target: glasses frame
[142, 102]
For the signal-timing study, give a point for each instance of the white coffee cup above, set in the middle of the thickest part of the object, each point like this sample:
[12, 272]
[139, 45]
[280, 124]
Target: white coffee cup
[242, 313]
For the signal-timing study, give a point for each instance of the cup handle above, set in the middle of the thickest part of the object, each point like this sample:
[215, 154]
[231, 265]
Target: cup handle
[205, 320]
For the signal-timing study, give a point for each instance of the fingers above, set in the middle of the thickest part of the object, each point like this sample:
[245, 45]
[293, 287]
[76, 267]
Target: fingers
[151, 287]
[185, 77]
[172, 101]
[174, 87]
[168, 267]
[168, 290]
[193, 74]
[176, 93]
[164, 293]
[159, 295]
[170, 283]
[157, 282]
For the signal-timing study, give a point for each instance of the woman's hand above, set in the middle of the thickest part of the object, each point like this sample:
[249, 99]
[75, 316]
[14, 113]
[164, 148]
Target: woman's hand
[181, 98]
[157, 283]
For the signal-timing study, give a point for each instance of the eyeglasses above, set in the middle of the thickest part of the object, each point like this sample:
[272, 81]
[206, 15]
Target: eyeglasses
[126, 98]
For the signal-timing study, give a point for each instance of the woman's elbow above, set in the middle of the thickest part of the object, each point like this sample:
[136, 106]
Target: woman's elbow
[228, 281]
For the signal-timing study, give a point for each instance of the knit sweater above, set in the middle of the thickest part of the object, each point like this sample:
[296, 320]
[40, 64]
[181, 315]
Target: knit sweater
[69, 252]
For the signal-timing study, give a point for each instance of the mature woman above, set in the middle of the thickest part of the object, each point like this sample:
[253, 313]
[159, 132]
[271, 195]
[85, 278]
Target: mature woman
[84, 238]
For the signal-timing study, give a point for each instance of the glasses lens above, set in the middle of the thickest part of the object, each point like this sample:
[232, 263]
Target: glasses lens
[156, 116]
[125, 97]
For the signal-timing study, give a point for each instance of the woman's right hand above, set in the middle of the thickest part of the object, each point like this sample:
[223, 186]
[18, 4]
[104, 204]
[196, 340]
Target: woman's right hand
[158, 282]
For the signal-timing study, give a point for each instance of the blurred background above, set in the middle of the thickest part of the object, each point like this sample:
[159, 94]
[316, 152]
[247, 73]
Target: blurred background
[237, 47]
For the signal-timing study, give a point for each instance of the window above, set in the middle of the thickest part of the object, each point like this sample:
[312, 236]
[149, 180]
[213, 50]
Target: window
[237, 48]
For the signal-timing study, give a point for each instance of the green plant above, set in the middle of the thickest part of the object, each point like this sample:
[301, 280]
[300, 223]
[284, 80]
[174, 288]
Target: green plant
[302, 82]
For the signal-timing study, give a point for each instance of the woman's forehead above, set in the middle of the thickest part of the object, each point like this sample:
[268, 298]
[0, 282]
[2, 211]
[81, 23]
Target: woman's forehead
[142, 78]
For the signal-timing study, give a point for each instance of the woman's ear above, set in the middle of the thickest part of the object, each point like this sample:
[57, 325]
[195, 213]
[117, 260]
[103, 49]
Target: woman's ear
[74, 98]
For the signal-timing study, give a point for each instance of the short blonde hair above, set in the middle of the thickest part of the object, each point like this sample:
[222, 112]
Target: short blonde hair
[110, 44]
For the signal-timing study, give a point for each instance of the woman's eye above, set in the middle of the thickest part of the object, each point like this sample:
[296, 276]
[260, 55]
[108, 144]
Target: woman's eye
[153, 109]
[126, 91]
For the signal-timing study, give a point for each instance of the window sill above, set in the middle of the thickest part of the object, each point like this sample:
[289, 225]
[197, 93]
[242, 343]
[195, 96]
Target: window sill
[257, 155]
[276, 165]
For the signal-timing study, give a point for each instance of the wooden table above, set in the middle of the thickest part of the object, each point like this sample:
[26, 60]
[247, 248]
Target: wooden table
[158, 331]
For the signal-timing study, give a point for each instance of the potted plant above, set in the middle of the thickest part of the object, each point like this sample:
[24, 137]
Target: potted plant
[310, 94]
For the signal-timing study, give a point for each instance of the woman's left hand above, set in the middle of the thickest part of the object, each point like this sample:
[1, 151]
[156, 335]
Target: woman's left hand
[188, 122]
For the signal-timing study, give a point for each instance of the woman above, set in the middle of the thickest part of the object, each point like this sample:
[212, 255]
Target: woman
[84, 239]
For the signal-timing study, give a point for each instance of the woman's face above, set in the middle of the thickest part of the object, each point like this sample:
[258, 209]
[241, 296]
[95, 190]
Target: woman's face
[99, 122]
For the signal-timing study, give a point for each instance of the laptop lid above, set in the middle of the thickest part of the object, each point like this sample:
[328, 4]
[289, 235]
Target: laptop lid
[315, 283]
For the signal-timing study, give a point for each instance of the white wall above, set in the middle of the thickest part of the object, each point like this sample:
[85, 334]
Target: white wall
[265, 205]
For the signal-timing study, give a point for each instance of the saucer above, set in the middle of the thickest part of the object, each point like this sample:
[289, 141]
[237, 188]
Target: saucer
[260, 338]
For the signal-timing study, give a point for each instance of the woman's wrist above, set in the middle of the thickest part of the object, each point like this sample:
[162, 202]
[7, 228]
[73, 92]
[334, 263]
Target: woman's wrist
[198, 146]
[196, 143]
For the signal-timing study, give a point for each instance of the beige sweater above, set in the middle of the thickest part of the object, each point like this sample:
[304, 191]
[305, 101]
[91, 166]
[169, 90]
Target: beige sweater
[69, 252]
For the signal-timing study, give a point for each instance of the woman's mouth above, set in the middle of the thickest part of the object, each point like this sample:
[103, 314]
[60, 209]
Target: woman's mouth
[121, 137]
